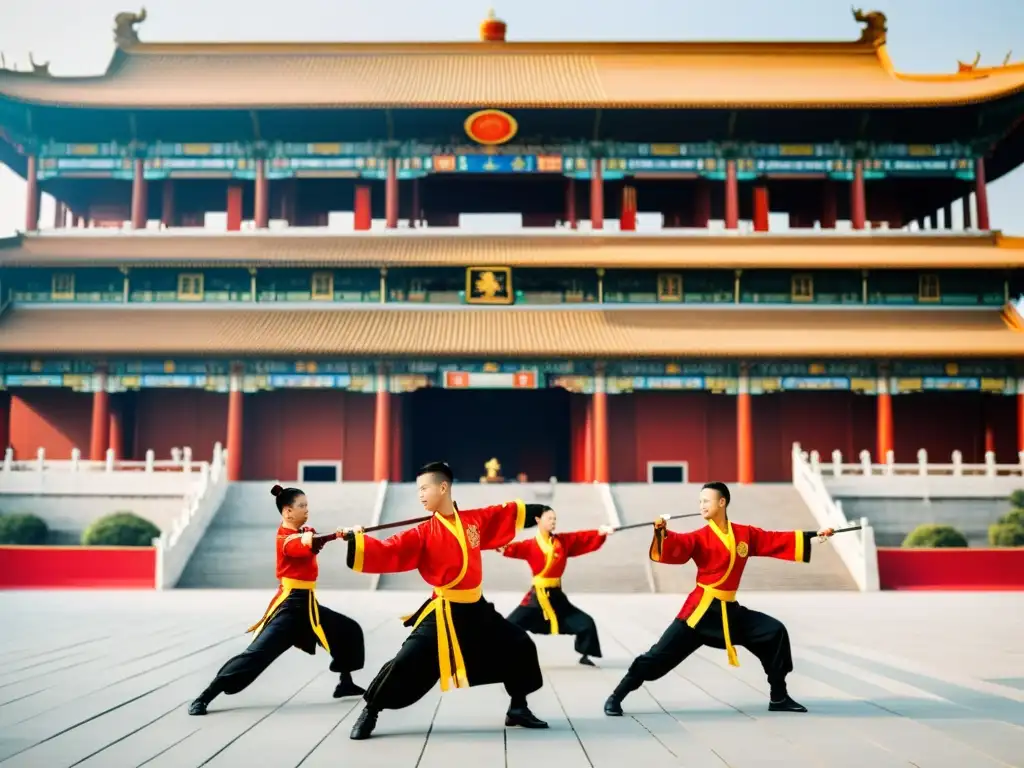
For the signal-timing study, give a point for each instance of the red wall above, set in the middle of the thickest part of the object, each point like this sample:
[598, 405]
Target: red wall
[175, 418]
[77, 567]
[960, 428]
[284, 427]
[55, 419]
[951, 569]
[696, 427]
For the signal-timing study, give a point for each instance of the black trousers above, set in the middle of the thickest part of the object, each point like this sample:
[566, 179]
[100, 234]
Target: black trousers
[288, 627]
[759, 633]
[571, 621]
[495, 651]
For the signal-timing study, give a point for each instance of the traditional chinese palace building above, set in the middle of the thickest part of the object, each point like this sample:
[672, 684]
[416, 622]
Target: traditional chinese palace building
[577, 347]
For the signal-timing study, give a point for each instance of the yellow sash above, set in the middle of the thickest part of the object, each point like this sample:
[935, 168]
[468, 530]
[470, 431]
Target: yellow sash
[541, 584]
[711, 592]
[287, 585]
[447, 641]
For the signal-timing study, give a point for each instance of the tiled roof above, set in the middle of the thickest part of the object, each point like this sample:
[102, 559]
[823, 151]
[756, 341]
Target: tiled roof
[420, 248]
[469, 75]
[511, 332]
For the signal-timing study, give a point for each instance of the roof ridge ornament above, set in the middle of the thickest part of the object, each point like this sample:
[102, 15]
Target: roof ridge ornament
[875, 27]
[125, 34]
[492, 29]
[42, 70]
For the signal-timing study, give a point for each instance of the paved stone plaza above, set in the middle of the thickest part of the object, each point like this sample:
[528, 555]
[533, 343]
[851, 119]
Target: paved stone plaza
[102, 680]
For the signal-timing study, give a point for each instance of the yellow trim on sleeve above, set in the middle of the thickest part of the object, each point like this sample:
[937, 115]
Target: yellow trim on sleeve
[656, 544]
[520, 514]
[798, 552]
[357, 559]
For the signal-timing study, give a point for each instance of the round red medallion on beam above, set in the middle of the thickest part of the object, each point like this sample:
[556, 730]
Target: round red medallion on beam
[491, 126]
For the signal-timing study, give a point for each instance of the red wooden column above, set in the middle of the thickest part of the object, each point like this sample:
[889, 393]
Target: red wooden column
[363, 213]
[1020, 416]
[981, 194]
[885, 425]
[396, 440]
[32, 193]
[5, 422]
[588, 442]
[600, 430]
[732, 196]
[829, 206]
[596, 194]
[570, 204]
[234, 440]
[627, 218]
[744, 430]
[116, 439]
[382, 429]
[261, 197]
[391, 195]
[140, 202]
[234, 208]
[761, 208]
[99, 435]
[858, 201]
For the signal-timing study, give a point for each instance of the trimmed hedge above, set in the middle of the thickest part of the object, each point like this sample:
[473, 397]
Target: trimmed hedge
[23, 529]
[1006, 535]
[121, 529]
[928, 535]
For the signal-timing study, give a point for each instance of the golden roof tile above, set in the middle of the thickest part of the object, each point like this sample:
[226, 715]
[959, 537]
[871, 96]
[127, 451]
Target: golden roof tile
[509, 75]
[507, 332]
[421, 248]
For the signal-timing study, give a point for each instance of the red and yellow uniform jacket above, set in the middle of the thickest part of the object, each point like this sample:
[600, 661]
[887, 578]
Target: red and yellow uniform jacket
[446, 552]
[547, 557]
[720, 558]
[297, 568]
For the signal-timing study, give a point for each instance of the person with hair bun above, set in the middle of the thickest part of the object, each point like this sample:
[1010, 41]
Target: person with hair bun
[294, 616]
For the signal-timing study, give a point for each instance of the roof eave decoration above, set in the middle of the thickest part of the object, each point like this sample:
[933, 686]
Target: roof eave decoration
[875, 27]
[125, 34]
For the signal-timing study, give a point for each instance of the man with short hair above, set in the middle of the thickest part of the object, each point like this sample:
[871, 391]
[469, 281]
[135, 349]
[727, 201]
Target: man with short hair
[457, 636]
[711, 615]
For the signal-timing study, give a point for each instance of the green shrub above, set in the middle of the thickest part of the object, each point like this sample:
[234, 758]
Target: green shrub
[23, 529]
[1017, 499]
[1005, 534]
[1014, 516]
[121, 529]
[935, 536]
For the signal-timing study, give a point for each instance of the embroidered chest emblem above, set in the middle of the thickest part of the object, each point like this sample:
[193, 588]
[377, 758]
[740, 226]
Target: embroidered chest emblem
[741, 549]
[473, 536]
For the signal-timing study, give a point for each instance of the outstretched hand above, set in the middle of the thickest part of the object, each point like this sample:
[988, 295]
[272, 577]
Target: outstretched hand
[825, 533]
[661, 523]
[606, 530]
[348, 533]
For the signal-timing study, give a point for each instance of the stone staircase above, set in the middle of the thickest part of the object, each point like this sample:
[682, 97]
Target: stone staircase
[579, 506]
[767, 505]
[237, 551]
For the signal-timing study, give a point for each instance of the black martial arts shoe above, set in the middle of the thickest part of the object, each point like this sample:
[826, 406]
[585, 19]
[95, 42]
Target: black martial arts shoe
[346, 687]
[585, 661]
[523, 717]
[785, 704]
[365, 724]
[197, 707]
[613, 706]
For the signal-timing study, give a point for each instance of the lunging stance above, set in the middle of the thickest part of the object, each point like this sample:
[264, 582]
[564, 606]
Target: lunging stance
[294, 617]
[711, 616]
[457, 636]
[545, 609]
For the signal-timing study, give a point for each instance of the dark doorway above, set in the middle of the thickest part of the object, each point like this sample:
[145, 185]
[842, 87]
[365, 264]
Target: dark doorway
[525, 430]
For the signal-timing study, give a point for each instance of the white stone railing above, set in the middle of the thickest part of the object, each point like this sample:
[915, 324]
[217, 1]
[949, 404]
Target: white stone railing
[610, 508]
[174, 547]
[857, 548]
[378, 510]
[77, 477]
[921, 468]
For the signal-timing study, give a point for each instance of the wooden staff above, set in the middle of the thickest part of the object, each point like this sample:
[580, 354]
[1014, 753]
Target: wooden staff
[651, 522]
[385, 526]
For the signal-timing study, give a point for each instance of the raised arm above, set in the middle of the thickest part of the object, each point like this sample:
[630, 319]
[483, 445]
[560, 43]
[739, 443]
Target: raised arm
[782, 545]
[499, 524]
[671, 548]
[517, 550]
[394, 554]
[578, 543]
[298, 544]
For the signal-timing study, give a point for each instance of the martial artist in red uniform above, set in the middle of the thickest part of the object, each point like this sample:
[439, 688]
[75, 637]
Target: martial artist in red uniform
[545, 609]
[294, 617]
[457, 636]
[711, 616]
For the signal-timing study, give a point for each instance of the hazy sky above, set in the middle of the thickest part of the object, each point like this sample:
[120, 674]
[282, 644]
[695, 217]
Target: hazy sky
[75, 36]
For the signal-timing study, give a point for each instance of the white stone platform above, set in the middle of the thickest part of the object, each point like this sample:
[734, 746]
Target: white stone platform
[102, 680]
